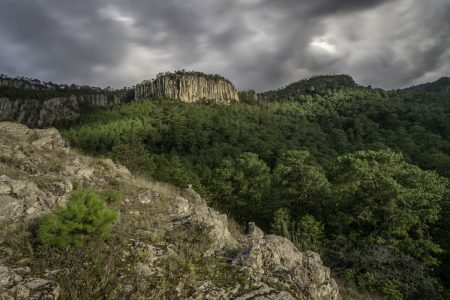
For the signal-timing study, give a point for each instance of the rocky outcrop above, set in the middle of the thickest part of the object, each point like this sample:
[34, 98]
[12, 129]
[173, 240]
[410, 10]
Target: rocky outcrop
[188, 87]
[44, 113]
[16, 283]
[163, 225]
[46, 169]
[276, 260]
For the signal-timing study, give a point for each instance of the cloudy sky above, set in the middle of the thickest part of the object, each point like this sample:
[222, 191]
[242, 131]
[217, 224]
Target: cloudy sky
[259, 44]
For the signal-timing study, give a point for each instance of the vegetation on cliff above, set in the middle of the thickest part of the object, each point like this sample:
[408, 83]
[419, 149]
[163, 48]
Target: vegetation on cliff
[366, 169]
[34, 89]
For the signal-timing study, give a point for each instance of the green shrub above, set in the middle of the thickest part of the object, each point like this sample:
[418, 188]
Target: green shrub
[309, 234]
[85, 216]
[281, 220]
[386, 288]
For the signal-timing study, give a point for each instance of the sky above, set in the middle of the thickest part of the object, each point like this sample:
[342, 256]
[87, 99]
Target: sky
[257, 44]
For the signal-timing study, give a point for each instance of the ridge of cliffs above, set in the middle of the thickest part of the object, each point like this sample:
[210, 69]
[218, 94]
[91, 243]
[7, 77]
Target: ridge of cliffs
[167, 243]
[43, 104]
[45, 113]
[188, 87]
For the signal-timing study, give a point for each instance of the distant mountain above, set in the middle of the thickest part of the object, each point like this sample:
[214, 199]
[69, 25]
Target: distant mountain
[313, 85]
[441, 85]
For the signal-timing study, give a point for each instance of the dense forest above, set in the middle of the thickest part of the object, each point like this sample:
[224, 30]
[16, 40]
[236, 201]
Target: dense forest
[357, 174]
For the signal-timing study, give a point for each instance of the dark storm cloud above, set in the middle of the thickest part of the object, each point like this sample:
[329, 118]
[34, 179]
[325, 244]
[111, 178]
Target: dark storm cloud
[258, 44]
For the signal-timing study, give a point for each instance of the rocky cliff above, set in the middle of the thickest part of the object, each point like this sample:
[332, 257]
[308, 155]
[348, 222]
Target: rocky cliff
[41, 104]
[43, 113]
[188, 87]
[167, 244]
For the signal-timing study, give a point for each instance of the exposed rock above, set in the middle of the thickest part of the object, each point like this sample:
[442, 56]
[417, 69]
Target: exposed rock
[196, 211]
[188, 87]
[16, 284]
[275, 259]
[49, 171]
[44, 113]
[266, 293]
[261, 291]
[22, 200]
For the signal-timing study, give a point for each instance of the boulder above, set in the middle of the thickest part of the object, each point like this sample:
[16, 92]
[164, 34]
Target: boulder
[275, 259]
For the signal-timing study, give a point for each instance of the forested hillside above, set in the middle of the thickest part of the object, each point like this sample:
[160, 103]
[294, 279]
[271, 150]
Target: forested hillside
[357, 174]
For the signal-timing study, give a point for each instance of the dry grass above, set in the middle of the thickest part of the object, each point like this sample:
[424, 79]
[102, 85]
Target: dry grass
[13, 172]
[348, 290]
[162, 188]
[237, 231]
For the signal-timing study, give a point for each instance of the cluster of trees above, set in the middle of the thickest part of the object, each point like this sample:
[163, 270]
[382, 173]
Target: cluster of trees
[312, 85]
[441, 85]
[183, 72]
[358, 174]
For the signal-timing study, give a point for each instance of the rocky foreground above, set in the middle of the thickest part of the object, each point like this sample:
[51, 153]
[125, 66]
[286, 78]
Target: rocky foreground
[168, 244]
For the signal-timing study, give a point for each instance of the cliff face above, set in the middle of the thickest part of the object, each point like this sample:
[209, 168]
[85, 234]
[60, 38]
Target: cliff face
[44, 113]
[188, 87]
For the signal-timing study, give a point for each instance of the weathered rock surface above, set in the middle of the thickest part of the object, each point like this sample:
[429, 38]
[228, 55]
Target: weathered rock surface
[188, 87]
[44, 113]
[16, 283]
[38, 171]
[42, 104]
[46, 171]
[276, 260]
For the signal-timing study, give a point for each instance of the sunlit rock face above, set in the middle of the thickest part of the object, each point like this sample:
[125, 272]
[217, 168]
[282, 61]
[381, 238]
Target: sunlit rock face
[188, 87]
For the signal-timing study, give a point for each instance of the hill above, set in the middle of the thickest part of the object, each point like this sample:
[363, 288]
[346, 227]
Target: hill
[441, 85]
[314, 85]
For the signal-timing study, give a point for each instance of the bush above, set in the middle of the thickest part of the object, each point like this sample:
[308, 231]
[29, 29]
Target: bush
[281, 221]
[85, 216]
[309, 234]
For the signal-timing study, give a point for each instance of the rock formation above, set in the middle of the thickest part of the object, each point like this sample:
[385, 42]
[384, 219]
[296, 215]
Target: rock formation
[188, 87]
[44, 113]
[164, 224]
[42, 104]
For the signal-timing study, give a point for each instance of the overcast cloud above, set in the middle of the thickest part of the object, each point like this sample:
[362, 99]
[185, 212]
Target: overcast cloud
[258, 44]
